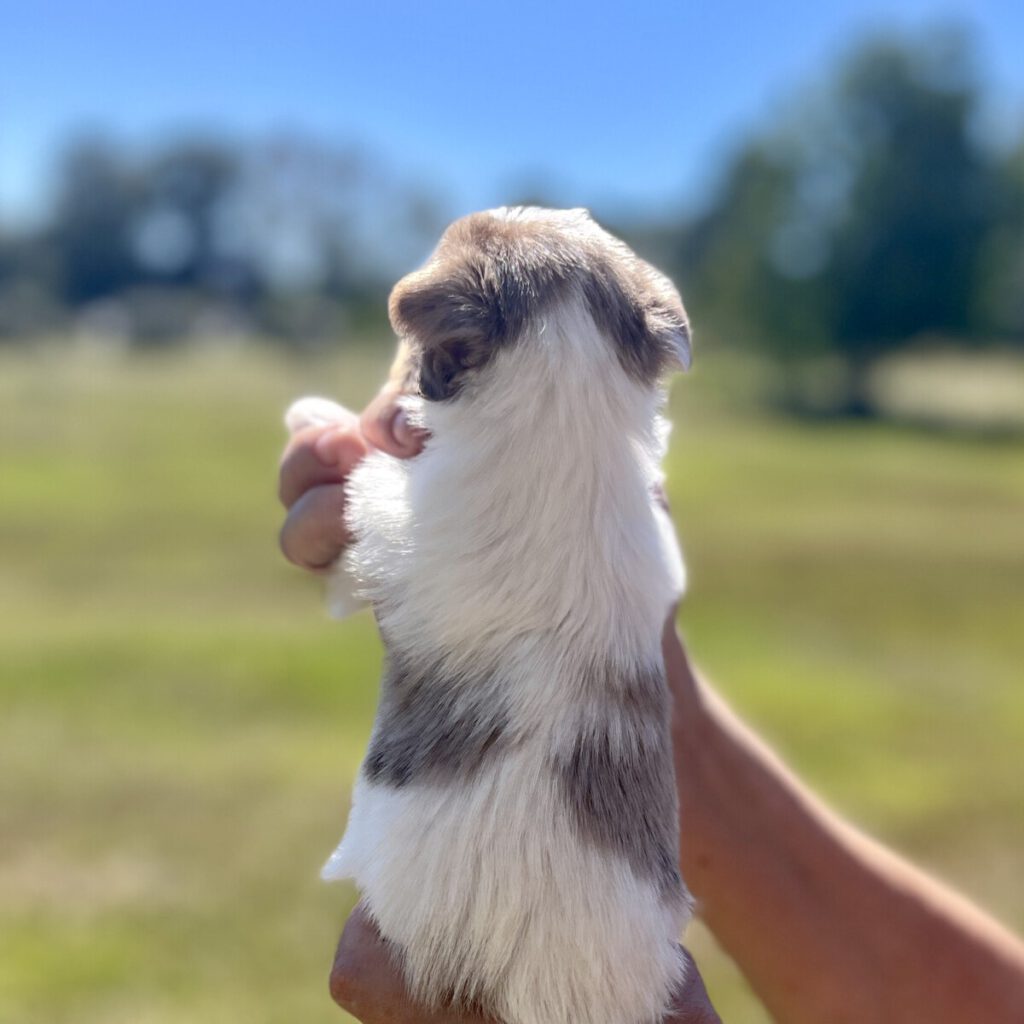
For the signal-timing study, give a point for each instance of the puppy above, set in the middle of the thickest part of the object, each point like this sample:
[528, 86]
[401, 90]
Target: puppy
[514, 827]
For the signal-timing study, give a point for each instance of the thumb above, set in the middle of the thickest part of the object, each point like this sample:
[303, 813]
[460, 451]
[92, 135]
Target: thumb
[385, 426]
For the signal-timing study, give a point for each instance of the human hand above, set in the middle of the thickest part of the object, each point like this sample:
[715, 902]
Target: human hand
[315, 465]
[367, 982]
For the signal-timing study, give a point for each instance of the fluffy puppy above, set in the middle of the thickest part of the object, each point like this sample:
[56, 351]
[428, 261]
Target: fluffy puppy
[514, 828]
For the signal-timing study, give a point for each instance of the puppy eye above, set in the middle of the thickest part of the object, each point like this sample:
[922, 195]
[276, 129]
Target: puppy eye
[439, 373]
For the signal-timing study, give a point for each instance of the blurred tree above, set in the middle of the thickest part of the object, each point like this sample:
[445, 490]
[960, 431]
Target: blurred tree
[1001, 297]
[866, 217]
[329, 229]
[175, 232]
[28, 291]
[290, 235]
[135, 238]
[858, 225]
[96, 206]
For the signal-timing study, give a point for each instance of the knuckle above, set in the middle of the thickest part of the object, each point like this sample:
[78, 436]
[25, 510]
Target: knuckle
[352, 989]
[344, 987]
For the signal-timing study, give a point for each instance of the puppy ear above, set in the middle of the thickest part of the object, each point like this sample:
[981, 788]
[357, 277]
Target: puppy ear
[670, 327]
[640, 310]
[666, 319]
[456, 321]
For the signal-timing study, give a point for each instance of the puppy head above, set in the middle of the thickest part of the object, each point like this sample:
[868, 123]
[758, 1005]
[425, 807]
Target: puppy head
[495, 274]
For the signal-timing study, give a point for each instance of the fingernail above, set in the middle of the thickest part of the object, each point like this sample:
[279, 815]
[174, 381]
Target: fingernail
[401, 430]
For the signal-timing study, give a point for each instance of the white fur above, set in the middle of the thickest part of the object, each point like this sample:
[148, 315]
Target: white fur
[525, 533]
[495, 885]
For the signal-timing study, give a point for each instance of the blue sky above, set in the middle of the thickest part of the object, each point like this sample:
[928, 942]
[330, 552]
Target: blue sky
[611, 105]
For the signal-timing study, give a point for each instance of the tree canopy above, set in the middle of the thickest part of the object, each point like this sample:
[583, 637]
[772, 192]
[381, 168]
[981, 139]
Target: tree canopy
[870, 213]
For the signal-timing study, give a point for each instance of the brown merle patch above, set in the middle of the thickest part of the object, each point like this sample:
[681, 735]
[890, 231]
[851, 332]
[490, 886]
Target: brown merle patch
[618, 780]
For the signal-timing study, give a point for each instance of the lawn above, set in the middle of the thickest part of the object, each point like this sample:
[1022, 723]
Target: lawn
[180, 724]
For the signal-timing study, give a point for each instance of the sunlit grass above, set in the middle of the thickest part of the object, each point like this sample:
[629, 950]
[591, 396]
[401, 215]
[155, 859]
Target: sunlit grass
[180, 724]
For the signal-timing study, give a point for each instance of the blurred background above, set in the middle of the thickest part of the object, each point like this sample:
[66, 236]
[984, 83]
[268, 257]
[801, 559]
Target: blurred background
[202, 208]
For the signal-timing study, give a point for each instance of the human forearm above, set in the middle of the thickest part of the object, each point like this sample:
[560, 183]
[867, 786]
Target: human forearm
[826, 924]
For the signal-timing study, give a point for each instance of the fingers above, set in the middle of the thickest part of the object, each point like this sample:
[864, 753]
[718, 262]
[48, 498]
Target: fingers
[318, 459]
[314, 532]
[362, 973]
[385, 426]
[322, 453]
[366, 979]
[318, 455]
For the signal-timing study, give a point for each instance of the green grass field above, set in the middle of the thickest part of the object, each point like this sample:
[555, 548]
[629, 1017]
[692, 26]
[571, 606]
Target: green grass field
[180, 724]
